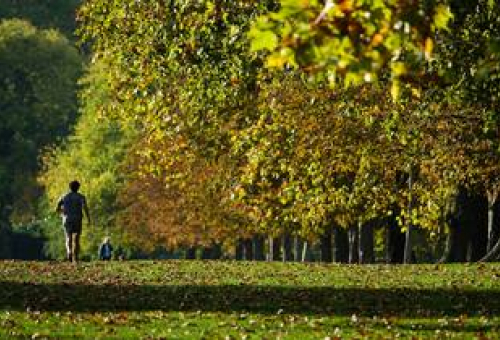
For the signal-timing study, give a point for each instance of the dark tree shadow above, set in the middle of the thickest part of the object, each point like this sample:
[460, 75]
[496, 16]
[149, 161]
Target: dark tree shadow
[250, 298]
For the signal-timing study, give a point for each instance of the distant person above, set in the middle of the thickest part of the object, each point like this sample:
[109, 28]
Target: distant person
[72, 206]
[120, 254]
[105, 250]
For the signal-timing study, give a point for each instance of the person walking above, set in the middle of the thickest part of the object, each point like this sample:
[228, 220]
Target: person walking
[72, 206]
[105, 250]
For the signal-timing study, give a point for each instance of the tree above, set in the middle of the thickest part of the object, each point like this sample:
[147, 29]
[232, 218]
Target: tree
[468, 62]
[464, 65]
[351, 41]
[288, 155]
[94, 154]
[185, 84]
[53, 14]
[181, 205]
[38, 85]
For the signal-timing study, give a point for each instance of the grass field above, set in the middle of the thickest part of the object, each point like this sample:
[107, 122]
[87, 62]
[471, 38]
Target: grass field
[247, 300]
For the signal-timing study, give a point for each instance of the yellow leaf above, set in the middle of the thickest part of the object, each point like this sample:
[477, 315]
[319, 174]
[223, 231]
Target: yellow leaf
[398, 68]
[346, 5]
[395, 89]
[416, 92]
[428, 47]
[277, 61]
[442, 16]
[377, 39]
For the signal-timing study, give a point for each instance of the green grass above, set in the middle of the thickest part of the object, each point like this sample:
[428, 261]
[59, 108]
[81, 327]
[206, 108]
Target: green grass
[235, 300]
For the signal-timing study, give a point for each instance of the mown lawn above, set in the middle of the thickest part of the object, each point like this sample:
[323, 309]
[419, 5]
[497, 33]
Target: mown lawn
[245, 300]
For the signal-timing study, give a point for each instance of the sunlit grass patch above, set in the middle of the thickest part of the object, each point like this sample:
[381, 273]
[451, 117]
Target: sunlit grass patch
[194, 299]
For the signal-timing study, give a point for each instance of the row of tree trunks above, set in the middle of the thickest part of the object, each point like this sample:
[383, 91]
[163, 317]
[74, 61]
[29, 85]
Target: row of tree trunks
[361, 243]
[337, 244]
[213, 252]
[467, 239]
[286, 248]
[474, 235]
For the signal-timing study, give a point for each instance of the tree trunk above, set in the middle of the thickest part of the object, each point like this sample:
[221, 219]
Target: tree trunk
[458, 223]
[492, 198]
[287, 247]
[238, 254]
[477, 228]
[407, 256]
[447, 249]
[456, 243]
[326, 246]
[306, 252]
[353, 244]
[298, 245]
[259, 252]
[206, 253]
[216, 251]
[366, 243]
[493, 248]
[493, 254]
[191, 253]
[248, 249]
[409, 225]
[491, 214]
[274, 249]
[341, 250]
[395, 240]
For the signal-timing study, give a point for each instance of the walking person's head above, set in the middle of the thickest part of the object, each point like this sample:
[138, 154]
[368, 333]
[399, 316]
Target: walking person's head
[74, 186]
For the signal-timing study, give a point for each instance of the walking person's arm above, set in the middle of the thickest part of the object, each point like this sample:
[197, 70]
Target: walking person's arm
[59, 206]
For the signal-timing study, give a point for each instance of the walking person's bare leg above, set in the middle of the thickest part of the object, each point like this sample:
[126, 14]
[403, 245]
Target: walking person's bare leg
[76, 246]
[69, 246]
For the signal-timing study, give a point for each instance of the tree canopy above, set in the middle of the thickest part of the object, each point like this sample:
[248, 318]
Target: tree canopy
[202, 123]
[37, 105]
[222, 94]
[49, 14]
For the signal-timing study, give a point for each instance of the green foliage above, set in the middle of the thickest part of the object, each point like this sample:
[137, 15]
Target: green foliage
[55, 14]
[179, 72]
[194, 299]
[93, 155]
[228, 141]
[51, 226]
[309, 159]
[351, 41]
[38, 81]
[470, 60]
[468, 63]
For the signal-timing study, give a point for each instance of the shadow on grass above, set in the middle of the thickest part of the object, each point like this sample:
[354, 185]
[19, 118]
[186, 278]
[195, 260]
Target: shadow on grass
[250, 298]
